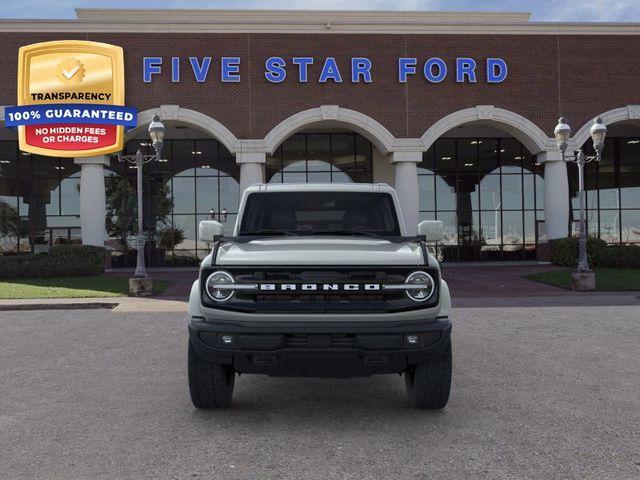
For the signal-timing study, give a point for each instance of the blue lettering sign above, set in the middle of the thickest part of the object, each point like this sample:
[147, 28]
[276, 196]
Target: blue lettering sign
[200, 71]
[330, 71]
[428, 70]
[175, 69]
[151, 66]
[230, 70]
[360, 67]
[465, 67]
[406, 66]
[496, 70]
[303, 64]
[275, 69]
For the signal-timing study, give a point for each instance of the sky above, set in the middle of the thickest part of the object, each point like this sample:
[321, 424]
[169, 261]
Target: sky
[542, 10]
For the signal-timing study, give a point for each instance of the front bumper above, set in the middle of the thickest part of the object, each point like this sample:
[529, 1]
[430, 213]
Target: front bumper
[289, 348]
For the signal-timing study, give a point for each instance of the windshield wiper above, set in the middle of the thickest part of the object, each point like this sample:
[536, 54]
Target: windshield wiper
[348, 232]
[268, 231]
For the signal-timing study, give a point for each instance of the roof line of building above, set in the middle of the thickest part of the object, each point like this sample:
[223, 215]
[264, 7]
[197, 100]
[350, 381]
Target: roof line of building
[310, 21]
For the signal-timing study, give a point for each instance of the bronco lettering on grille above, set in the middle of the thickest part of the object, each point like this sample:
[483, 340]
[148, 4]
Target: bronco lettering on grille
[315, 287]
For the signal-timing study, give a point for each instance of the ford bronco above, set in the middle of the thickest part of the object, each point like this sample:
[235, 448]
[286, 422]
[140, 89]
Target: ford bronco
[320, 280]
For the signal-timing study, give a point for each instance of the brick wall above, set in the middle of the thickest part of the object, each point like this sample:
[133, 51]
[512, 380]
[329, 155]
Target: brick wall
[578, 76]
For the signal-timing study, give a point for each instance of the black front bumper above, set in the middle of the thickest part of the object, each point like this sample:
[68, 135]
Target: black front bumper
[303, 349]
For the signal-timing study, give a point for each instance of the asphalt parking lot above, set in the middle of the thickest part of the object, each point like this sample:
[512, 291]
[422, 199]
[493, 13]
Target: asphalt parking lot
[537, 393]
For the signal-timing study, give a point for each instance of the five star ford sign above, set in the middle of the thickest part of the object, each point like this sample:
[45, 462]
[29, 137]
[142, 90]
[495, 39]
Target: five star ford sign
[71, 99]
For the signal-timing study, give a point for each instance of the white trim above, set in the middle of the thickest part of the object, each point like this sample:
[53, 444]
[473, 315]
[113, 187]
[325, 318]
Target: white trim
[531, 136]
[622, 114]
[358, 122]
[200, 120]
[312, 21]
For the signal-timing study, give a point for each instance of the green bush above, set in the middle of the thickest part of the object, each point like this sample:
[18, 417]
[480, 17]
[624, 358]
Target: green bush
[564, 252]
[61, 261]
[618, 256]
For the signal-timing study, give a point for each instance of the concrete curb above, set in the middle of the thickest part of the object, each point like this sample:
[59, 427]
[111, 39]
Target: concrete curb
[10, 307]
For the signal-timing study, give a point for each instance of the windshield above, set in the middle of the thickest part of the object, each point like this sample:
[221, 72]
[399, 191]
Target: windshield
[319, 213]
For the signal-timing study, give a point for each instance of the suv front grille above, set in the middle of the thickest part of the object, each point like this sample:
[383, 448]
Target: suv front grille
[321, 300]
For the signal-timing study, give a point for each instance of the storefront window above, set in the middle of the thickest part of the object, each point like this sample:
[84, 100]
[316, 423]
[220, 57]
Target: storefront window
[612, 192]
[196, 180]
[487, 192]
[321, 158]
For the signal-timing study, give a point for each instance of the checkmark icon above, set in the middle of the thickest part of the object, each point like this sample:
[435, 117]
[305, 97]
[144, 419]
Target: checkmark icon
[71, 73]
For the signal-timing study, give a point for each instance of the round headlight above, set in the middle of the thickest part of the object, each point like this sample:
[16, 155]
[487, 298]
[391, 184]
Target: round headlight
[427, 286]
[215, 286]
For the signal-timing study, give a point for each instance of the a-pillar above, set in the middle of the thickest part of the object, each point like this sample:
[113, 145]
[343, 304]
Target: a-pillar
[556, 194]
[406, 184]
[251, 168]
[92, 199]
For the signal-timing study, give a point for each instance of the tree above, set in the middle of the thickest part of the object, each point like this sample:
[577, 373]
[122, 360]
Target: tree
[9, 221]
[122, 208]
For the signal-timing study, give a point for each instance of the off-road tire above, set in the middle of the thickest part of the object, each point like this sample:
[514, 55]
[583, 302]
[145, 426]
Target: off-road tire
[428, 384]
[210, 384]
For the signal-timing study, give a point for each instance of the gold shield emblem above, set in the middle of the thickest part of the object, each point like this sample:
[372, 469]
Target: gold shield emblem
[71, 72]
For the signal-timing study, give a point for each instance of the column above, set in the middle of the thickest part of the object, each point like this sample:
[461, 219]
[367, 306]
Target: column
[93, 208]
[251, 168]
[406, 184]
[556, 194]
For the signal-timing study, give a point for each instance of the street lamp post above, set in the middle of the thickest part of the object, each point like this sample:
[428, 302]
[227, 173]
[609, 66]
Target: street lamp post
[156, 133]
[583, 278]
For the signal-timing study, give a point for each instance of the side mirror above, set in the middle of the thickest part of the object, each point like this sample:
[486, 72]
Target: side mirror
[209, 230]
[431, 230]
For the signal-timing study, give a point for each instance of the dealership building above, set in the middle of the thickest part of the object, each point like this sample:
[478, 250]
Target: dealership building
[455, 110]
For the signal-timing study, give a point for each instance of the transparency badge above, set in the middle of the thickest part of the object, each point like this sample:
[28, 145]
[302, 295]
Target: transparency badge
[70, 99]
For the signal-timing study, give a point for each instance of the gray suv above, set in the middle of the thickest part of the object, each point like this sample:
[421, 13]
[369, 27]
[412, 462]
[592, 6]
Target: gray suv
[320, 280]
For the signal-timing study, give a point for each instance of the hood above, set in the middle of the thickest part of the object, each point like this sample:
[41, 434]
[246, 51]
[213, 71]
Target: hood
[319, 251]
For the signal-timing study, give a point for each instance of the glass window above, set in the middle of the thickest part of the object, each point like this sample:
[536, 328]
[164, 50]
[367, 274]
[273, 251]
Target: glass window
[445, 156]
[321, 158]
[182, 161]
[426, 166]
[183, 195]
[511, 155]
[70, 196]
[490, 195]
[310, 213]
[609, 225]
[206, 196]
[488, 156]
[467, 154]
[512, 192]
[445, 195]
[512, 228]
[630, 222]
[294, 153]
[188, 225]
[630, 190]
[426, 187]
[318, 152]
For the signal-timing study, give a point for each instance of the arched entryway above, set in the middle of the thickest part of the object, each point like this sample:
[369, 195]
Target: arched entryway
[198, 178]
[482, 177]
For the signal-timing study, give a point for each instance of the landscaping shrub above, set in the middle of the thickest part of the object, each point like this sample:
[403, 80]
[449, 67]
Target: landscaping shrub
[61, 261]
[564, 252]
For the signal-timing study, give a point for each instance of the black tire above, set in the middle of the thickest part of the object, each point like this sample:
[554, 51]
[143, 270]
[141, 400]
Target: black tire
[210, 384]
[428, 384]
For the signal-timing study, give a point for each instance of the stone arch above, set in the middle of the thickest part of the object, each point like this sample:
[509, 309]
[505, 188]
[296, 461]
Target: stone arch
[622, 114]
[382, 138]
[197, 119]
[527, 132]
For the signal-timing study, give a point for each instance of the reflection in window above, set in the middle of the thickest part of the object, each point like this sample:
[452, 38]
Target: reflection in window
[321, 158]
[612, 191]
[488, 193]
